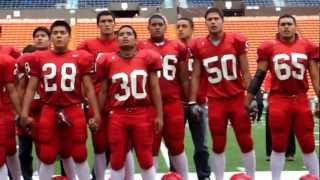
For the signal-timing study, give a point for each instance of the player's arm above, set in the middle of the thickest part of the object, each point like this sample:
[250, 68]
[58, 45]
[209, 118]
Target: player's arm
[183, 76]
[102, 96]
[21, 87]
[245, 69]
[28, 96]
[256, 82]
[195, 78]
[90, 92]
[14, 96]
[314, 74]
[156, 99]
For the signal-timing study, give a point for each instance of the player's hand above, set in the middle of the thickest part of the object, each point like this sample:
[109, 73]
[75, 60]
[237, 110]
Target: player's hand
[26, 121]
[252, 109]
[195, 111]
[94, 124]
[317, 111]
[247, 104]
[158, 124]
[62, 120]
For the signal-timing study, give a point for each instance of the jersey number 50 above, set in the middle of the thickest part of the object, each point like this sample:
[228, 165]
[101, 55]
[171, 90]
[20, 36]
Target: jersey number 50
[215, 73]
[65, 77]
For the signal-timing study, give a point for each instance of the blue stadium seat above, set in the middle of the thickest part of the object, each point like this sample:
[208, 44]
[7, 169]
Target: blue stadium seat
[259, 2]
[105, 3]
[303, 2]
[26, 4]
[200, 3]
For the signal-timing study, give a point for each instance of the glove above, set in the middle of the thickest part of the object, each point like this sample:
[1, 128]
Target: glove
[61, 119]
[253, 109]
[195, 111]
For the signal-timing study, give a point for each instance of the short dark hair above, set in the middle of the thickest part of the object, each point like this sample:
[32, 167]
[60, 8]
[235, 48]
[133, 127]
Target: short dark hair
[29, 49]
[40, 28]
[105, 13]
[61, 23]
[156, 16]
[187, 19]
[214, 10]
[130, 27]
[287, 16]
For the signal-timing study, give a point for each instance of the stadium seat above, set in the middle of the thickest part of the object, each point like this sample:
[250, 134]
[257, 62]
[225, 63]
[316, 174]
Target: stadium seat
[259, 2]
[297, 3]
[29, 4]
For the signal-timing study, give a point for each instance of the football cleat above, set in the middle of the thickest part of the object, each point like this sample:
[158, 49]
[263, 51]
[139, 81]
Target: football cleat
[309, 177]
[240, 176]
[59, 178]
[171, 176]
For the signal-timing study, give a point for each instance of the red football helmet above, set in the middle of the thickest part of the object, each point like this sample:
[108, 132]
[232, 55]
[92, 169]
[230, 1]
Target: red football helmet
[60, 178]
[309, 177]
[240, 176]
[171, 176]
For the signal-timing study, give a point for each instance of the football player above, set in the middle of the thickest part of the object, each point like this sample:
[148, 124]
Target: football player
[288, 57]
[62, 125]
[198, 126]
[173, 80]
[9, 116]
[7, 80]
[223, 57]
[106, 42]
[129, 83]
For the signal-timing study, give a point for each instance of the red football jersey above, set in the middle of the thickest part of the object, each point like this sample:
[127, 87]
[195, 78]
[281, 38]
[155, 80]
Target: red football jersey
[172, 52]
[60, 74]
[15, 53]
[221, 63]
[10, 50]
[288, 64]
[24, 72]
[202, 91]
[97, 47]
[7, 68]
[128, 78]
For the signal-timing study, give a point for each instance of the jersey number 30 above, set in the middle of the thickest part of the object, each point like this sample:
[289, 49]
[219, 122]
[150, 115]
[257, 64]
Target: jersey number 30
[129, 87]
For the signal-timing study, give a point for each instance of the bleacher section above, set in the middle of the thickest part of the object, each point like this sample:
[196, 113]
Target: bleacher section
[105, 3]
[257, 29]
[200, 3]
[298, 3]
[259, 2]
[29, 4]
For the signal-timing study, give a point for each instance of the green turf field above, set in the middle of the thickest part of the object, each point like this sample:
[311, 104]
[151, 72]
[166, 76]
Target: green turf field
[232, 151]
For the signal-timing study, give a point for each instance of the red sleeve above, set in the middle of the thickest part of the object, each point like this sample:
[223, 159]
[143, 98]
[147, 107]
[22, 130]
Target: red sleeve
[183, 51]
[194, 48]
[140, 45]
[9, 69]
[313, 53]
[15, 53]
[82, 46]
[154, 61]
[34, 63]
[86, 63]
[263, 51]
[241, 43]
[101, 71]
